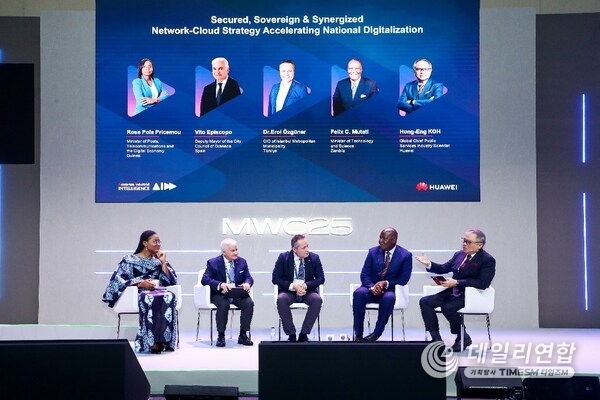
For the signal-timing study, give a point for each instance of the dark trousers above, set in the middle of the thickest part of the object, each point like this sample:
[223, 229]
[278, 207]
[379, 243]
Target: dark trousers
[449, 305]
[246, 306]
[285, 299]
[361, 297]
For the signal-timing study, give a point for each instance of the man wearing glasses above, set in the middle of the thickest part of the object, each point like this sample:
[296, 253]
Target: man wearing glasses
[422, 90]
[472, 266]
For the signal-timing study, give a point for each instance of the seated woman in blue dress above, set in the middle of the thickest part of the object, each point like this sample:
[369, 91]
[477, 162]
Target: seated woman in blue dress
[149, 270]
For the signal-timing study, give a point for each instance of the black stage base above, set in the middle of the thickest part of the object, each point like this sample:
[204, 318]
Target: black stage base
[71, 370]
[345, 370]
[193, 392]
[578, 387]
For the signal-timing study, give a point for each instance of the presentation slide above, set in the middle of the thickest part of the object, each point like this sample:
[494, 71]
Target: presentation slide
[312, 101]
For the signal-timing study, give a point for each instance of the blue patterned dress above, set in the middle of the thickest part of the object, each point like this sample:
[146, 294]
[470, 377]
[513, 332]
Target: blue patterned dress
[158, 316]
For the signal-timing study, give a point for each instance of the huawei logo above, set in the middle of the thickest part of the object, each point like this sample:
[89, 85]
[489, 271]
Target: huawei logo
[422, 186]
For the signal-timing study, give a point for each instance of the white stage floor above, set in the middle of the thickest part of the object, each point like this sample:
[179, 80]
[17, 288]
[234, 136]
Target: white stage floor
[199, 363]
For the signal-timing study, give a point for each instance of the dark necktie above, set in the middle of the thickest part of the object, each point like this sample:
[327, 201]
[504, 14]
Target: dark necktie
[300, 276]
[219, 92]
[455, 289]
[301, 272]
[464, 262]
[386, 264]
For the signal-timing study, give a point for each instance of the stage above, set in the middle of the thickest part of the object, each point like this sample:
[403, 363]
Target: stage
[199, 363]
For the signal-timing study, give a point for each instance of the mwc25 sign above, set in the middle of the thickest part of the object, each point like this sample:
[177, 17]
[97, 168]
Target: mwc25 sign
[337, 226]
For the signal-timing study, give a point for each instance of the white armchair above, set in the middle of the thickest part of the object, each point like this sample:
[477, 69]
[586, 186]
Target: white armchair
[400, 304]
[477, 302]
[127, 304]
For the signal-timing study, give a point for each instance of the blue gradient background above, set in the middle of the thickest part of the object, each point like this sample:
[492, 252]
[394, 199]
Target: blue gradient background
[377, 172]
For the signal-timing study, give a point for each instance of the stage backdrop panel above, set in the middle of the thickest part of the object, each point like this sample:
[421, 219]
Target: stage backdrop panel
[568, 171]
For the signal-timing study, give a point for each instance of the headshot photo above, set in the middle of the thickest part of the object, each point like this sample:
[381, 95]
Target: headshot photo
[288, 90]
[420, 91]
[354, 89]
[221, 90]
[148, 90]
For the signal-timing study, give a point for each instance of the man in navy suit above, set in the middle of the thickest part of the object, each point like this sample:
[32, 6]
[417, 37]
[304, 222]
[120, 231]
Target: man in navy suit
[473, 267]
[298, 274]
[422, 90]
[386, 266]
[223, 89]
[230, 281]
[288, 91]
[353, 90]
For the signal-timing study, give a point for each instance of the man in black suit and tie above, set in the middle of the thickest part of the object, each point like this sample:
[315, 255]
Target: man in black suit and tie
[386, 266]
[353, 90]
[473, 267]
[230, 281]
[223, 89]
[298, 274]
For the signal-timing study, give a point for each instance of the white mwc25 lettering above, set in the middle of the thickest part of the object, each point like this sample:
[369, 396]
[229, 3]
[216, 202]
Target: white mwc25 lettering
[290, 226]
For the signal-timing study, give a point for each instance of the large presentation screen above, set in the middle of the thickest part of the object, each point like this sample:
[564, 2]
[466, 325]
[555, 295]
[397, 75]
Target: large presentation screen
[311, 101]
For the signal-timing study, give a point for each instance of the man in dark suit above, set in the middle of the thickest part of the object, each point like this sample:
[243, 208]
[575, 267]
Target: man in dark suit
[230, 281]
[223, 89]
[353, 90]
[288, 90]
[386, 266]
[298, 274]
[422, 90]
[473, 267]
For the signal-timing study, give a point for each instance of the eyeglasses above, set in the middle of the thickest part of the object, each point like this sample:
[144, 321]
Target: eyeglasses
[156, 242]
[465, 241]
[422, 69]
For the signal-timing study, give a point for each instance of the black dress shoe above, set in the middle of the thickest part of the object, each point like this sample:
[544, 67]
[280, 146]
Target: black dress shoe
[221, 341]
[358, 338]
[245, 340]
[371, 338]
[292, 337]
[156, 348]
[303, 337]
[456, 346]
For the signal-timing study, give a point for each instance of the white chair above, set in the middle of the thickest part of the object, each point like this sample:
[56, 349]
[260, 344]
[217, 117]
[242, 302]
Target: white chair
[128, 304]
[477, 302]
[203, 303]
[300, 306]
[400, 304]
